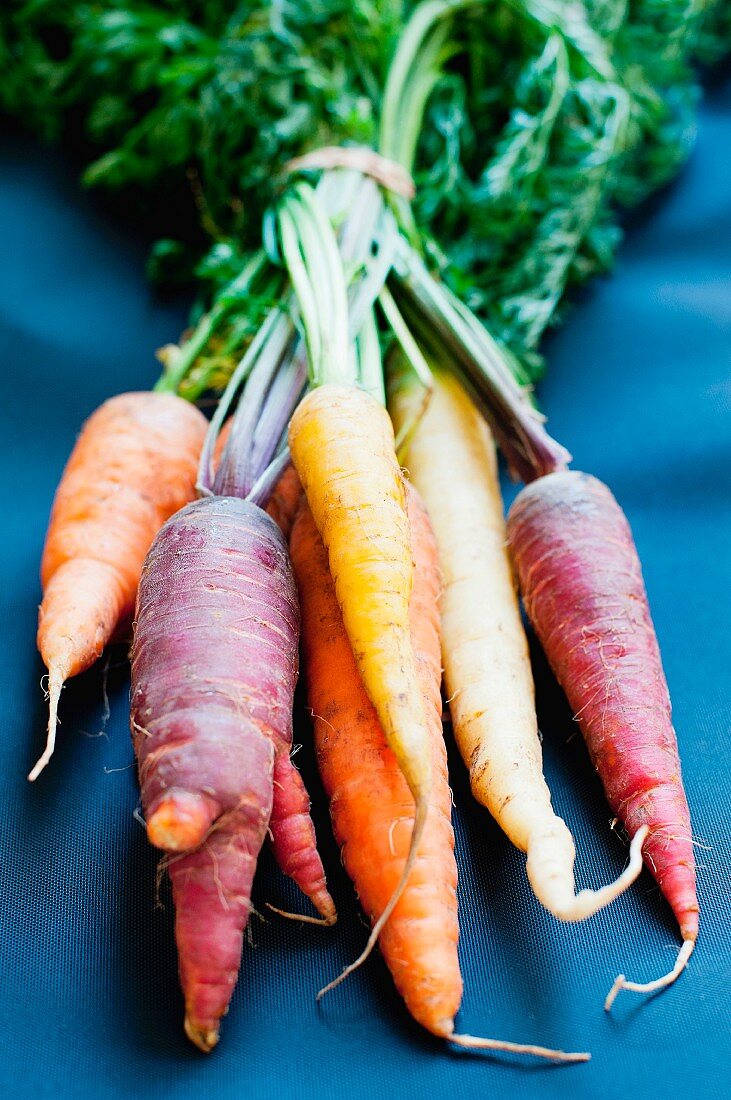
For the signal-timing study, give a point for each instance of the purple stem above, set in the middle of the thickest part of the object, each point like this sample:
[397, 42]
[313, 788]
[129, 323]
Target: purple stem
[262, 490]
[446, 326]
[235, 476]
[282, 399]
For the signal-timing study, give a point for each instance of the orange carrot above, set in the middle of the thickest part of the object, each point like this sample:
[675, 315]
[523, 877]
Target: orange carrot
[370, 802]
[284, 502]
[133, 465]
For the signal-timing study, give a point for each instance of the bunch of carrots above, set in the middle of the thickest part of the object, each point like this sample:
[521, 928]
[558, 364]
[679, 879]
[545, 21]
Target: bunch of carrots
[343, 507]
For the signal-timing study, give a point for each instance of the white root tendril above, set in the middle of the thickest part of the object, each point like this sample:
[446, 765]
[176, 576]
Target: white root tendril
[55, 684]
[620, 982]
[588, 902]
[474, 1042]
[324, 922]
[555, 891]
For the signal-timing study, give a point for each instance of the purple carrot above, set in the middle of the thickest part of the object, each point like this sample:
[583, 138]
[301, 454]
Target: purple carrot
[214, 665]
[582, 587]
[214, 668]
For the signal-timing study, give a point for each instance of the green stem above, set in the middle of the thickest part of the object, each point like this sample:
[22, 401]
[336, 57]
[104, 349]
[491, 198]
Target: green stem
[478, 359]
[171, 379]
[312, 258]
[424, 49]
[412, 353]
[369, 361]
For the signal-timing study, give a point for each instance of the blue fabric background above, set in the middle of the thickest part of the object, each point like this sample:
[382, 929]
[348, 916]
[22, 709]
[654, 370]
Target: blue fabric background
[640, 389]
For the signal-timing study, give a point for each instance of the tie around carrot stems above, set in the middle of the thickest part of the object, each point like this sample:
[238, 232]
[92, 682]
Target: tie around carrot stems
[487, 675]
[582, 587]
[133, 465]
[370, 803]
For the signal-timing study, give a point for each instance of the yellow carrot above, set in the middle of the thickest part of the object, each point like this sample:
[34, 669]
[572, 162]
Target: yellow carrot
[342, 447]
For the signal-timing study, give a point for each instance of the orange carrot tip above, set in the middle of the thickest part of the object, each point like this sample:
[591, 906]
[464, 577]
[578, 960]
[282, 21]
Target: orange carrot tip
[180, 820]
[620, 982]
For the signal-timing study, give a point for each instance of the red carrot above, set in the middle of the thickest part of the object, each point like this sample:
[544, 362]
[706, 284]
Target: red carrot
[582, 586]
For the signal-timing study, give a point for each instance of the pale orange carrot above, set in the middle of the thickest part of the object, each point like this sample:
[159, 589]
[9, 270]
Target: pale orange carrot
[133, 465]
[284, 502]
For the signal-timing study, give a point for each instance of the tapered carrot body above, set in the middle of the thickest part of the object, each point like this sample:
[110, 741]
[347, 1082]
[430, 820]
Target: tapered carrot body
[291, 830]
[293, 838]
[582, 586]
[370, 803]
[179, 824]
[342, 447]
[487, 673]
[212, 898]
[214, 665]
[133, 465]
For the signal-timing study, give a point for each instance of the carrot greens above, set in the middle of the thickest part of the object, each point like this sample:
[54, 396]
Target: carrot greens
[540, 120]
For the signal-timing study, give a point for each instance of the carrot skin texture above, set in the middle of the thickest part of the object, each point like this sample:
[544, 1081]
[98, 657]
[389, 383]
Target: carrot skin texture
[291, 830]
[215, 649]
[211, 894]
[133, 466]
[582, 587]
[487, 673]
[214, 665]
[342, 447]
[284, 502]
[294, 843]
[292, 834]
[370, 803]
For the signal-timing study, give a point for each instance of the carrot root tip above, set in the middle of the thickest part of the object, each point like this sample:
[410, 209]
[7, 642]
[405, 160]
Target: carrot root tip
[56, 681]
[620, 982]
[180, 821]
[474, 1042]
[205, 1038]
[556, 893]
